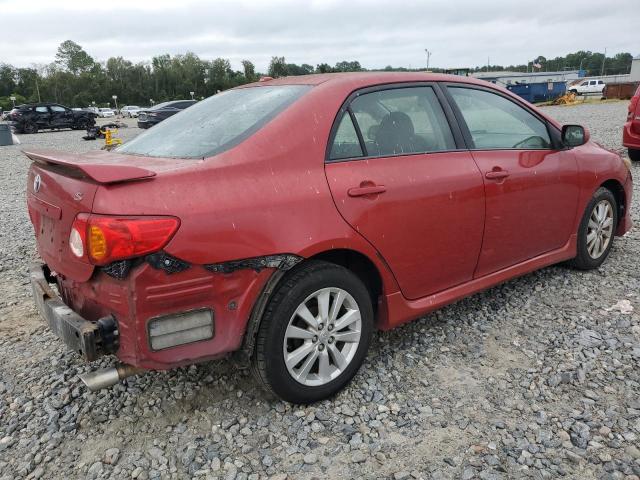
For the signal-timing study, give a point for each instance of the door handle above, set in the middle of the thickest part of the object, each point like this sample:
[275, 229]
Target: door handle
[496, 174]
[368, 190]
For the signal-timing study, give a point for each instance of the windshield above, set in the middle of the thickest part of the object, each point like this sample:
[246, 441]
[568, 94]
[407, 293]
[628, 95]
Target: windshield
[215, 124]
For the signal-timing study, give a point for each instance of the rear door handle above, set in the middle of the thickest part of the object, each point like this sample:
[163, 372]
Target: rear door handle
[496, 174]
[368, 190]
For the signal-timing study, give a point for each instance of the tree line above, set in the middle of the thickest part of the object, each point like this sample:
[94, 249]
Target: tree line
[593, 63]
[76, 79]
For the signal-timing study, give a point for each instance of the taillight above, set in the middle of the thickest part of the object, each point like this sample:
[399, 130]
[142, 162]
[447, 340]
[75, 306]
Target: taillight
[102, 239]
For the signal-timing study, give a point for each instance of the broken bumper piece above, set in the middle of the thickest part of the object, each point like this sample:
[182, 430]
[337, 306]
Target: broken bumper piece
[281, 262]
[89, 339]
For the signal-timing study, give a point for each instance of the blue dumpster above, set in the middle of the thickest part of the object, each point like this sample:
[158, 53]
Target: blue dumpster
[5, 135]
[539, 92]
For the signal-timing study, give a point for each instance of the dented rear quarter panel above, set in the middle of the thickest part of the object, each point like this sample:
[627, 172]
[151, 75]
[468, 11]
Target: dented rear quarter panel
[147, 293]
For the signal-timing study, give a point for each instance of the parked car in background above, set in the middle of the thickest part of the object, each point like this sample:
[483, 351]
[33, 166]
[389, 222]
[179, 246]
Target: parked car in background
[631, 129]
[106, 113]
[30, 118]
[271, 221]
[588, 87]
[95, 110]
[130, 111]
[151, 116]
[5, 114]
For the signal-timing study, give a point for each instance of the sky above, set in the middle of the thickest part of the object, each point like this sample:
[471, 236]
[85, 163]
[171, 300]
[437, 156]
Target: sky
[459, 33]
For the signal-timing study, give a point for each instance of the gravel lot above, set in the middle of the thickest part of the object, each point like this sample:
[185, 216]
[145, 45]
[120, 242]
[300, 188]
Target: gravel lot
[537, 378]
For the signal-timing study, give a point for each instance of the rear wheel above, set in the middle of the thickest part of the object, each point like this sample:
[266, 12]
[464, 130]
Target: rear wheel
[634, 155]
[314, 334]
[30, 128]
[596, 231]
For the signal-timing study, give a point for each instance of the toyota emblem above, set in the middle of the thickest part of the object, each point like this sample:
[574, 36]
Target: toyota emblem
[36, 183]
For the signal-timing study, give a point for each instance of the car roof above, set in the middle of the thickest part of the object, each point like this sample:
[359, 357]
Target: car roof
[363, 79]
[42, 104]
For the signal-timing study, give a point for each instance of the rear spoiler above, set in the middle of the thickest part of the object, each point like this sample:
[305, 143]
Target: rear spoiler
[108, 169]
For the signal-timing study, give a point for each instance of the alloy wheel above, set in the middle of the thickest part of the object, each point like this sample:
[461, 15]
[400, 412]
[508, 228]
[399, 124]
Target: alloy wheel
[599, 229]
[322, 336]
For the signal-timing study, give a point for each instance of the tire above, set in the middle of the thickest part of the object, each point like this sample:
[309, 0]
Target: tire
[29, 128]
[634, 155]
[282, 328]
[591, 254]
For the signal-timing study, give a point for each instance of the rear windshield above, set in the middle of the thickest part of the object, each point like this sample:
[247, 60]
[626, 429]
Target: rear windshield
[215, 124]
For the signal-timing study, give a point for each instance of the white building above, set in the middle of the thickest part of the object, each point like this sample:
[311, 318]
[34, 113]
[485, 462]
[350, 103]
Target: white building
[634, 76]
[569, 76]
[515, 78]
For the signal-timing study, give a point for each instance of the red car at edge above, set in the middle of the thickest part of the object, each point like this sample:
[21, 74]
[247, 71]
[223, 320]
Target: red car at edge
[284, 221]
[631, 131]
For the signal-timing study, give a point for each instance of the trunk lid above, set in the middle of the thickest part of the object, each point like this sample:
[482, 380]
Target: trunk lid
[54, 197]
[60, 185]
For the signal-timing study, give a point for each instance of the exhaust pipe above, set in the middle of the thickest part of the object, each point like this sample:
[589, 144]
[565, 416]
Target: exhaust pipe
[108, 377]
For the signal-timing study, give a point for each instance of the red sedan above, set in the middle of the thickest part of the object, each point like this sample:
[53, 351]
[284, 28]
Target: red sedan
[631, 131]
[285, 220]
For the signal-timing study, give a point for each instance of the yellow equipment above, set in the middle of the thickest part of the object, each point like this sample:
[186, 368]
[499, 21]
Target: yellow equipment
[109, 140]
[566, 99]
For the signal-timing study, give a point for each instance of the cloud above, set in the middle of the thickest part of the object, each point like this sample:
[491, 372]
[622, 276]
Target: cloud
[375, 32]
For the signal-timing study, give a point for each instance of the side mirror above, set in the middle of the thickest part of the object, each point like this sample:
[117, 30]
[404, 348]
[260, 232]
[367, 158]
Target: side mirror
[575, 135]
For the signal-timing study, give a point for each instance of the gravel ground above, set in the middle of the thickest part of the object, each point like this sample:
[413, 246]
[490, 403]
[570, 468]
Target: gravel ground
[537, 378]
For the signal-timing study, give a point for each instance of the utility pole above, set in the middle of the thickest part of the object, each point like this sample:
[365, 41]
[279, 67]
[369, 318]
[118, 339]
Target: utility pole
[38, 88]
[603, 60]
[428, 57]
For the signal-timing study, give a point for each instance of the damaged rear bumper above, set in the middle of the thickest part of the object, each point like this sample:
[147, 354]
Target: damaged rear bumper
[89, 339]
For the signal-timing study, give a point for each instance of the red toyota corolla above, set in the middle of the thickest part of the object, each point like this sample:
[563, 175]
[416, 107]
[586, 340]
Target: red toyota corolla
[286, 220]
[631, 130]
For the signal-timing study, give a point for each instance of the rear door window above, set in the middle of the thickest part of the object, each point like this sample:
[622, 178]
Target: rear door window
[495, 122]
[345, 142]
[216, 124]
[402, 121]
[42, 110]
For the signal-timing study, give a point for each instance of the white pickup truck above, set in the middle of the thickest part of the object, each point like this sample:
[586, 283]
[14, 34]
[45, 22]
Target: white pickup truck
[588, 87]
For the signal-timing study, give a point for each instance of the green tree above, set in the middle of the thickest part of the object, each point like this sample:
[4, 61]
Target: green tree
[304, 69]
[324, 68]
[73, 58]
[249, 70]
[219, 75]
[345, 66]
[278, 67]
[7, 79]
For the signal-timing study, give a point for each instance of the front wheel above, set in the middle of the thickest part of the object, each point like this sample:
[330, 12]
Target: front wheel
[596, 231]
[314, 334]
[634, 155]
